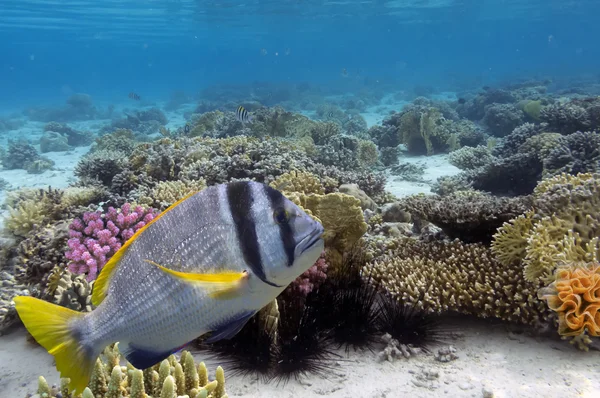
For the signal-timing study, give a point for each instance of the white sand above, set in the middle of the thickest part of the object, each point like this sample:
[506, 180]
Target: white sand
[491, 357]
[435, 166]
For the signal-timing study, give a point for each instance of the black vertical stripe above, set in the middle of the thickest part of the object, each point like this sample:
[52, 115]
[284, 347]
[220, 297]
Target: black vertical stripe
[240, 199]
[286, 233]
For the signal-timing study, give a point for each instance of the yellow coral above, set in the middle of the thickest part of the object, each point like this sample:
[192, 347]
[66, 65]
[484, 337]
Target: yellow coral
[509, 244]
[575, 296]
[298, 181]
[454, 276]
[165, 193]
[22, 219]
[544, 247]
[561, 179]
[170, 378]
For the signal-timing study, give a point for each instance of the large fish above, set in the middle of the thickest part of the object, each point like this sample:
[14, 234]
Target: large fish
[206, 264]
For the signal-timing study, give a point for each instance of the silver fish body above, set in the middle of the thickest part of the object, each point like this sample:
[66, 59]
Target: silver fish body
[239, 226]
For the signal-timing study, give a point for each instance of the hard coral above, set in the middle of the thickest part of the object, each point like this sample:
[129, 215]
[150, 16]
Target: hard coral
[576, 153]
[469, 215]
[453, 276]
[171, 378]
[565, 118]
[97, 236]
[575, 295]
[502, 119]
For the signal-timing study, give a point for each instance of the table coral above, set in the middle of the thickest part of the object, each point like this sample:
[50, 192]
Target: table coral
[468, 215]
[453, 276]
[575, 296]
[97, 236]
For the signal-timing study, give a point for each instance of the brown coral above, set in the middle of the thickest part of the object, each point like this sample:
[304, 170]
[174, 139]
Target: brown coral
[509, 243]
[575, 296]
[454, 276]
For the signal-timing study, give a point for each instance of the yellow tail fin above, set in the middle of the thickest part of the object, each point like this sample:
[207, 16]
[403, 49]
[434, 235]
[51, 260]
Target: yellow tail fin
[50, 324]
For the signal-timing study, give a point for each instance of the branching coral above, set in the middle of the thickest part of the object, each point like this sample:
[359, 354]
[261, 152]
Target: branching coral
[453, 276]
[509, 244]
[96, 237]
[565, 118]
[300, 182]
[573, 154]
[575, 296]
[311, 279]
[120, 140]
[102, 165]
[171, 378]
[469, 158]
[9, 288]
[502, 119]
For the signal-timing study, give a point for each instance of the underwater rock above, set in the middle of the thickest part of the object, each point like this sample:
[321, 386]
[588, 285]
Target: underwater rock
[74, 137]
[395, 212]
[353, 190]
[52, 141]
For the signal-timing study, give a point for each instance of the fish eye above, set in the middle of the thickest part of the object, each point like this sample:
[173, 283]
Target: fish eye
[281, 216]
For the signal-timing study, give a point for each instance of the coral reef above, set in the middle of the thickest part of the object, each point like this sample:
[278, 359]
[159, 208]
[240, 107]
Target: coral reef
[22, 155]
[502, 119]
[576, 153]
[95, 237]
[74, 137]
[101, 165]
[470, 158]
[469, 215]
[565, 118]
[171, 378]
[120, 140]
[72, 291]
[52, 141]
[442, 276]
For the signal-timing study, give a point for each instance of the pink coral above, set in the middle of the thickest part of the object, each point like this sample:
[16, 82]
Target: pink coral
[96, 237]
[309, 280]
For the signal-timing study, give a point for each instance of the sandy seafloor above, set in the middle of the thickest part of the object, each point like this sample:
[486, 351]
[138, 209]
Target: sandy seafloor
[491, 358]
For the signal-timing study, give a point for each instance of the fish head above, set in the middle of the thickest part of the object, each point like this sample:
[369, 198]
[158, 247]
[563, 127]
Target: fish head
[293, 239]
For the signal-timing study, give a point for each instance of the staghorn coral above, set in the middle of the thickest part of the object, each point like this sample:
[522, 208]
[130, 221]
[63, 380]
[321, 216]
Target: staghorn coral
[171, 378]
[470, 216]
[575, 296]
[511, 144]
[95, 237]
[541, 145]
[453, 276]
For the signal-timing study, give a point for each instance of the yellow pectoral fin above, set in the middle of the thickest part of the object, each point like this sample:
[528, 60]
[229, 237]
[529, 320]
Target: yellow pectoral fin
[221, 285]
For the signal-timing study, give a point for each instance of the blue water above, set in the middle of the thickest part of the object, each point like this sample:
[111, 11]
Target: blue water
[50, 49]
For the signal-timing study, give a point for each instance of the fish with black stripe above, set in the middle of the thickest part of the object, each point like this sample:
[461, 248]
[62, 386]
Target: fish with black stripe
[206, 264]
[242, 115]
[134, 96]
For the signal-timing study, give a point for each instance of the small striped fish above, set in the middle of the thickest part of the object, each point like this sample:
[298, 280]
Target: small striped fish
[242, 115]
[134, 96]
[206, 264]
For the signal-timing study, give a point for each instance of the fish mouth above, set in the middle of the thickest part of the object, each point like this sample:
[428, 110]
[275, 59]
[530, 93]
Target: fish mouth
[311, 240]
